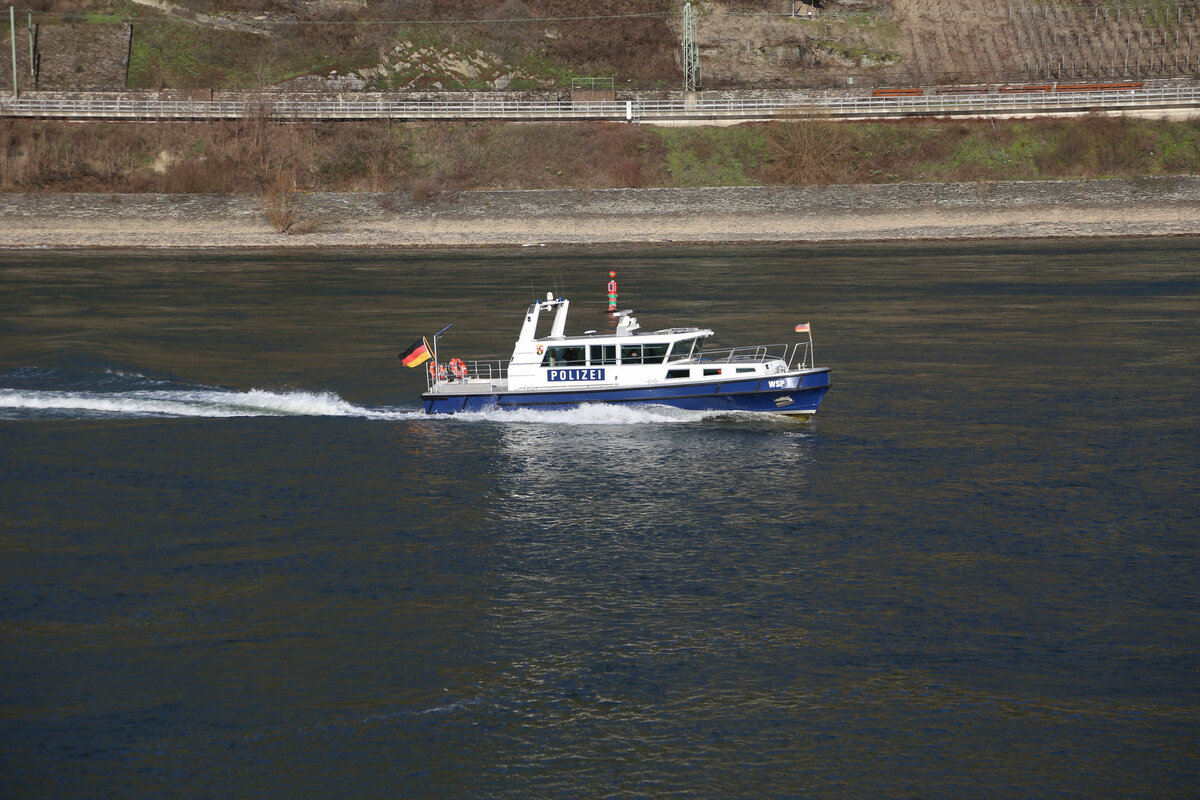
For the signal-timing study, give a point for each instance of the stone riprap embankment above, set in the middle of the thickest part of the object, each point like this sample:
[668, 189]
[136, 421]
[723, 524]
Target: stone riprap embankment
[1143, 207]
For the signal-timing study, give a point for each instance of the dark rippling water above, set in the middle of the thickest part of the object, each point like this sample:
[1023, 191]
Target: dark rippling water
[236, 560]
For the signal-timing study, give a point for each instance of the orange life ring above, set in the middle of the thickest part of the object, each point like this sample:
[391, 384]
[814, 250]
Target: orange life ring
[457, 368]
[437, 371]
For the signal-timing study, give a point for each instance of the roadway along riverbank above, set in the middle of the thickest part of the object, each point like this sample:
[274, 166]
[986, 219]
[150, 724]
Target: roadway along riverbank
[1161, 206]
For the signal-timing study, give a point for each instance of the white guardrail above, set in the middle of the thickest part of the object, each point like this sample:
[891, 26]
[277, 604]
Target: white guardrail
[647, 111]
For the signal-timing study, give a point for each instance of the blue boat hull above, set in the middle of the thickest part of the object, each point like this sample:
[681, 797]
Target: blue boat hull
[795, 394]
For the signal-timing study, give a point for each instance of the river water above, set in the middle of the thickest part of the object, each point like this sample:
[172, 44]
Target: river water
[237, 560]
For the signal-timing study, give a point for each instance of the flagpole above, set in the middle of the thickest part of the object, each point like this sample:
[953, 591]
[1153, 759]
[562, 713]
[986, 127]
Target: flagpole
[435, 355]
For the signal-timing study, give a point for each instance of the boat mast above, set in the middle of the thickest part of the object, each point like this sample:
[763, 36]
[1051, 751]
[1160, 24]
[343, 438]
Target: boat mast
[435, 355]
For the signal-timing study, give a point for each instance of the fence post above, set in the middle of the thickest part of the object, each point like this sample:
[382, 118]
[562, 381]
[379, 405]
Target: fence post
[12, 30]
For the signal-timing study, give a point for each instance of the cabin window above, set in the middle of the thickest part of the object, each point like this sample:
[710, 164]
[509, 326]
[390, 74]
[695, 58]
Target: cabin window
[572, 356]
[655, 353]
[631, 354]
[603, 353]
[682, 349]
[678, 373]
[708, 372]
[745, 369]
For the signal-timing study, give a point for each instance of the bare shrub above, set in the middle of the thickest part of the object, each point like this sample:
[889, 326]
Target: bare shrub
[279, 201]
[807, 151]
[10, 140]
[359, 157]
[1119, 145]
[186, 177]
[618, 155]
[28, 162]
[1093, 146]
[1065, 150]
[262, 141]
[199, 176]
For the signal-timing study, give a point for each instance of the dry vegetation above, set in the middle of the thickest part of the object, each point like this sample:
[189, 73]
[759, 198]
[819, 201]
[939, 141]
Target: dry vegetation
[431, 162]
[214, 43]
[249, 156]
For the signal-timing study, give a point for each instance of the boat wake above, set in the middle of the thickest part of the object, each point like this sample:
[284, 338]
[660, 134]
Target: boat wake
[185, 403]
[41, 394]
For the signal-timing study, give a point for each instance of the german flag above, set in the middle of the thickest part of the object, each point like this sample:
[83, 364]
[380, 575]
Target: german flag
[416, 355]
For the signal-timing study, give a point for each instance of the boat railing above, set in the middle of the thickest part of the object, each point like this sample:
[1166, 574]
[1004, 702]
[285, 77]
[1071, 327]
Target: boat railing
[751, 354]
[797, 356]
[802, 356]
[487, 370]
[478, 374]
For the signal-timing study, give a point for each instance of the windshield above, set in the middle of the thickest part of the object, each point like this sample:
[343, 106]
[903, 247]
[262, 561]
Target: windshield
[682, 349]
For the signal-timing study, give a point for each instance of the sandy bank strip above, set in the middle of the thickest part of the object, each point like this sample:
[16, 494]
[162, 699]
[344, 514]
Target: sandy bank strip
[1145, 207]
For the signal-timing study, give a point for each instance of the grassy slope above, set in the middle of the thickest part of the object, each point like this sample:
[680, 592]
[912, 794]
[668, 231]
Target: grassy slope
[248, 156]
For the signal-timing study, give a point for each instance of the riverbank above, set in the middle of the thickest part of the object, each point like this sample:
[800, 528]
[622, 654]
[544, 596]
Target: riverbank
[1161, 206]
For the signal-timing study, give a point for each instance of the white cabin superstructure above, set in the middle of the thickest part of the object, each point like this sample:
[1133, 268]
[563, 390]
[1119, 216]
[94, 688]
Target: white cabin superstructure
[621, 358]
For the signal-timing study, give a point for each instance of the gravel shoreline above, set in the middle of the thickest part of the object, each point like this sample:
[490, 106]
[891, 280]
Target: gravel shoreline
[1160, 206]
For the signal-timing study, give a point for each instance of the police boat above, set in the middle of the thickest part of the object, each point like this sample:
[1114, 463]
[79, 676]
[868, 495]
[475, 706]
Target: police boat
[668, 367]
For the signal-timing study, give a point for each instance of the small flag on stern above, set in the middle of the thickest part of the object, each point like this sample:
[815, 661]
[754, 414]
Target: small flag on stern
[803, 328]
[416, 355]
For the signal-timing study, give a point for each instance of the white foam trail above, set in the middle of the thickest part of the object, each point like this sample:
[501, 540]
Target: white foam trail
[195, 403]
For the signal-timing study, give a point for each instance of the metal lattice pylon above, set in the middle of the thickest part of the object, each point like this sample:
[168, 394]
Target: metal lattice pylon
[691, 53]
